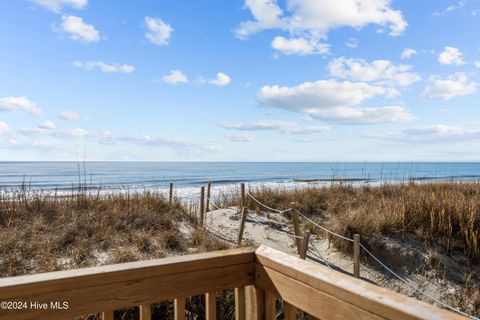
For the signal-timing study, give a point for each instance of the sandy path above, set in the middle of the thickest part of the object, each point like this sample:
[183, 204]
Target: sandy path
[275, 231]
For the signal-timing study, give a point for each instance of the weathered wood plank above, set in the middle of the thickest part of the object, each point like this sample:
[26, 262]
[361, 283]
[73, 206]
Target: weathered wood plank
[289, 311]
[254, 303]
[339, 289]
[94, 276]
[107, 315]
[119, 287]
[211, 305]
[270, 306]
[307, 298]
[179, 308]
[145, 312]
[240, 303]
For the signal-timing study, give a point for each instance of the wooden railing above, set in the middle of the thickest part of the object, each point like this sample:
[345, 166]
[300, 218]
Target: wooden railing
[259, 276]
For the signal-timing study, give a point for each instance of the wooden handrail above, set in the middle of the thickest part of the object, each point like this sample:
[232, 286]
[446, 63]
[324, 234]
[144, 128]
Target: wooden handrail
[113, 287]
[328, 294]
[257, 275]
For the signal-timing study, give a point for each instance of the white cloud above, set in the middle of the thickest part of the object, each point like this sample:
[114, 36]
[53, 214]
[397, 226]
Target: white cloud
[158, 32]
[454, 85]
[433, 134]
[407, 53]
[451, 56]
[57, 5]
[378, 71]
[104, 67]
[79, 30]
[242, 137]
[352, 43]
[311, 20]
[69, 115]
[175, 77]
[300, 46]
[221, 80]
[4, 127]
[477, 64]
[275, 125]
[334, 101]
[74, 133]
[47, 125]
[19, 104]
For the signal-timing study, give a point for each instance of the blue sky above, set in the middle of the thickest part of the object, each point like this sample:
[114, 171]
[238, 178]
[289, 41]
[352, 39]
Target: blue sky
[254, 80]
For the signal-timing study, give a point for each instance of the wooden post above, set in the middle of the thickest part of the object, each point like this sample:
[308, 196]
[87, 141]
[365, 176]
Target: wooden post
[270, 306]
[242, 226]
[296, 229]
[289, 311]
[170, 194]
[240, 303]
[107, 315]
[145, 312]
[254, 307]
[356, 255]
[211, 305]
[209, 187]
[202, 205]
[242, 196]
[305, 240]
[179, 308]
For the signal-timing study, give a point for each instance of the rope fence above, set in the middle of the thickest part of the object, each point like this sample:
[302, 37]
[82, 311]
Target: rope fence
[299, 239]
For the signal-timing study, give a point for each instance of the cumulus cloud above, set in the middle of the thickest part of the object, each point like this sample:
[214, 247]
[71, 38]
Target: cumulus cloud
[378, 71]
[275, 125]
[69, 115]
[454, 85]
[221, 80]
[309, 21]
[175, 77]
[79, 30]
[407, 53]
[158, 32]
[241, 137]
[19, 104]
[57, 5]
[300, 46]
[334, 101]
[104, 67]
[4, 127]
[451, 56]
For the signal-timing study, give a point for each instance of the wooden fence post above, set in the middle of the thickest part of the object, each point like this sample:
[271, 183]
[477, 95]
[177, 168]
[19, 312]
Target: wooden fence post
[356, 255]
[209, 187]
[289, 311]
[170, 194]
[242, 226]
[202, 205]
[296, 229]
[305, 240]
[242, 197]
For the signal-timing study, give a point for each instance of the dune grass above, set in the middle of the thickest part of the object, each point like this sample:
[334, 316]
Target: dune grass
[443, 213]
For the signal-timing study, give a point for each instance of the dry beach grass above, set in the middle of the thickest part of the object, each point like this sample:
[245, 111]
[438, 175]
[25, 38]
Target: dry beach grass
[40, 233]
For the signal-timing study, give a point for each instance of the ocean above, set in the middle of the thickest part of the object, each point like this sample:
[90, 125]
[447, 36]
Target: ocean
[188, 176]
